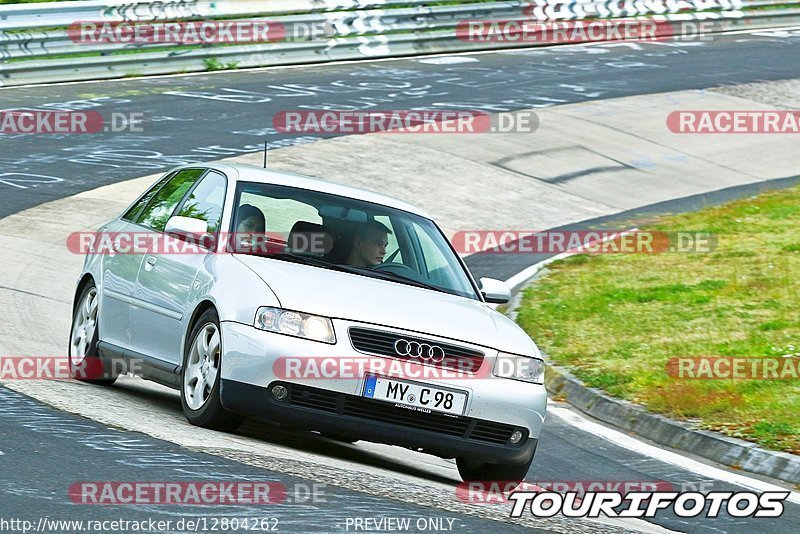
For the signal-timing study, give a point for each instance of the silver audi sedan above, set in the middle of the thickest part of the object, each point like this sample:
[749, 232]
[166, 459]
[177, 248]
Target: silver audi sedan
[313, 305]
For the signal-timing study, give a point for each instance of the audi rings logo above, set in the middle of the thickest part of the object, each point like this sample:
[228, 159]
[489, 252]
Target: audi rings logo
[423, 351]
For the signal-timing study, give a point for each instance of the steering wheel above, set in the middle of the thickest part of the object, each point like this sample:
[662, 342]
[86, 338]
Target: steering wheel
[397, 268]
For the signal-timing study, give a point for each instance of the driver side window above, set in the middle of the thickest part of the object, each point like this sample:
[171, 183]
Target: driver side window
[392, 249]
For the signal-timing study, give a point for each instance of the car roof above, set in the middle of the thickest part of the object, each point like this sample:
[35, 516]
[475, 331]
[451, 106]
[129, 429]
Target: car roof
[250, 173]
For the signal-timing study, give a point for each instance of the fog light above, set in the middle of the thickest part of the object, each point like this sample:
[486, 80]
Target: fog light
[515, 437]
[279, 392]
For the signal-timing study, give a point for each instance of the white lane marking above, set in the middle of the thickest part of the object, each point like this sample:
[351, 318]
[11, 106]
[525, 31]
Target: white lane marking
[633, 444]
[522, 276]
[353, 61]
[448, 60]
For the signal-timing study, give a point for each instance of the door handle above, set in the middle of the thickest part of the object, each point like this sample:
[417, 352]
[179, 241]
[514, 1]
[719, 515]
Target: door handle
[151, 260]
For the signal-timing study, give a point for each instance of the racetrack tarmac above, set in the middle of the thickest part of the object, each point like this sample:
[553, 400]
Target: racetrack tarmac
[203, 118]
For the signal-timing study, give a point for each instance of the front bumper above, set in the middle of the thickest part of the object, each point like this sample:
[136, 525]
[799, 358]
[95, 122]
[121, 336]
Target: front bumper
[495, 407]
[377, 421]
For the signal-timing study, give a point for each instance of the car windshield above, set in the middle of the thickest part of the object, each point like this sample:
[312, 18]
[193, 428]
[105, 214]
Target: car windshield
[339, 233]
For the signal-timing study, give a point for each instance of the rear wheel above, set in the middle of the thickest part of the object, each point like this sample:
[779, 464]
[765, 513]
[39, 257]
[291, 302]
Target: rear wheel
[200, 377]
[471, 470]
[84, 358]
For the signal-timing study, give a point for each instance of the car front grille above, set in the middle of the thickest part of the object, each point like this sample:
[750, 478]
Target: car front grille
[385, 412]
[383, 343]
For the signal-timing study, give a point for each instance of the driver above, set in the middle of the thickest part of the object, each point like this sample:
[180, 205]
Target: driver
[369, 245]
[250, 227]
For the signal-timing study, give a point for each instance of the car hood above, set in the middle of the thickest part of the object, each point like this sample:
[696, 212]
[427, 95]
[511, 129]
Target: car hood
[360, 298]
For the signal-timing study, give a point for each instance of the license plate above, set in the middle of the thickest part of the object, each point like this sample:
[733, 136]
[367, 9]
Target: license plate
[421, 397]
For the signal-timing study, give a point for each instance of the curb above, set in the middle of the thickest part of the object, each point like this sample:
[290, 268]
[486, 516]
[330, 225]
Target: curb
[625, 415]
[634, 418]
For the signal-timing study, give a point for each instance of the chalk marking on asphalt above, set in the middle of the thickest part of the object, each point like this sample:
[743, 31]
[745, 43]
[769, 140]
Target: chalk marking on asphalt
[365, 60]
[662, 455]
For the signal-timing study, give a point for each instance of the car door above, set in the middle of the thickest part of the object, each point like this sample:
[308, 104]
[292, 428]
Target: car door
[119, 271]
[169, 271]
[150, 219]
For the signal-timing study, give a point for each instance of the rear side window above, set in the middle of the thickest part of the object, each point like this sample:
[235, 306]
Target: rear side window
[160, 208]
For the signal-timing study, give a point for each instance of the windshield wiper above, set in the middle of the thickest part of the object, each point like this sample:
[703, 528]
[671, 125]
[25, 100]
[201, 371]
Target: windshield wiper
[385, 275]
[406, 280]
[309, 260]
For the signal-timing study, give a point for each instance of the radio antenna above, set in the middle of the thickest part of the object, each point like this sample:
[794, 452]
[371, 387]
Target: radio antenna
[266, 145]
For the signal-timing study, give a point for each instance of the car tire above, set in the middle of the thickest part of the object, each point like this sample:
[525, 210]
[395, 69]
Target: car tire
[200, 377]
[471, 470]
[85, 363]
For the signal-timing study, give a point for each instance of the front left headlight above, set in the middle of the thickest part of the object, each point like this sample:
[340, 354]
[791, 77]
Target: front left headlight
[516, 367]
[295, 324]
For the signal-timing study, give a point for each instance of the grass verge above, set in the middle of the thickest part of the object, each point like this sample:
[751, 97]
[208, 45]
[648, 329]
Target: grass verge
[615, 320]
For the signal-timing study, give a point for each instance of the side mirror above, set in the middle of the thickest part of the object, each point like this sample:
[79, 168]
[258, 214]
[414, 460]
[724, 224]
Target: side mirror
[495, 291]
[186, 228]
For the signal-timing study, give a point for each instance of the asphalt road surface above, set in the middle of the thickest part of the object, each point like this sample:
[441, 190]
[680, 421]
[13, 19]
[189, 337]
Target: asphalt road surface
[208, 117]
[203, 118]
[46, 453]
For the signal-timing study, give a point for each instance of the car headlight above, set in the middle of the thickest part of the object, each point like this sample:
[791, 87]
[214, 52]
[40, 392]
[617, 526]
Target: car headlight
[295, 324]
[525, 368]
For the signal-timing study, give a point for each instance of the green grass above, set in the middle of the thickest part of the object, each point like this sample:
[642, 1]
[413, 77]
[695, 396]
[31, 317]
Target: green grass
[615, 320]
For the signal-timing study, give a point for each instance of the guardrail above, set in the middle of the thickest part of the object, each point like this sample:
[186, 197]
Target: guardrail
[41, 43]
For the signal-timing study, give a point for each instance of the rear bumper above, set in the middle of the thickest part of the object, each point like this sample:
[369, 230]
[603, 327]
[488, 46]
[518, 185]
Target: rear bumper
[330, 411]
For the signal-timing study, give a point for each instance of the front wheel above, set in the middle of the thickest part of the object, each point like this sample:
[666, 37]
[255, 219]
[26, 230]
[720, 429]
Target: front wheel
[200, 377]
[471, 470]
